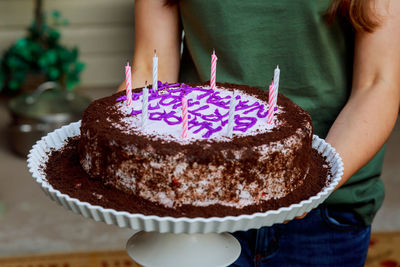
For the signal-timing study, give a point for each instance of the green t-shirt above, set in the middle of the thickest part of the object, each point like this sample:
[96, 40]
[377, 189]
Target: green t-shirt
[251, 37]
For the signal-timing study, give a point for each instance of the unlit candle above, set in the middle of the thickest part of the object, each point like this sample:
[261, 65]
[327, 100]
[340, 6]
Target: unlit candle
[213, 70]
[155, 71]
[128, 84]
[145, 105]
[231, 117]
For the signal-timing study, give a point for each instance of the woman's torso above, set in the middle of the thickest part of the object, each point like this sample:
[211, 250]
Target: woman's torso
[315, 57]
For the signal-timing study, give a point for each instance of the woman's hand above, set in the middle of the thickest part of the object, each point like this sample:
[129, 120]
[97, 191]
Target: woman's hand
[157, 27]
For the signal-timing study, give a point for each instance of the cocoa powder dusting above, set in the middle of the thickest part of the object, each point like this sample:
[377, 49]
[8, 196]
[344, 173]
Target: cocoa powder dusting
[64, 173]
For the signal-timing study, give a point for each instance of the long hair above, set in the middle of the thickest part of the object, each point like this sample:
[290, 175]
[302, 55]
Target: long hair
[361, 13]
[171, 2]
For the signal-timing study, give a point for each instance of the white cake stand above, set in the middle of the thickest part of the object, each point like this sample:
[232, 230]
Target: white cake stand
[168, 241]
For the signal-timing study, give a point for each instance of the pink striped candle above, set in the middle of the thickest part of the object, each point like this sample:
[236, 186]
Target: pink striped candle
[271, 103]
[128, 83]
[213, 70]
[184, 117]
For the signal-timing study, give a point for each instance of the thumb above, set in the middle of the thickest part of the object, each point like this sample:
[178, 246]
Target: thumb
[121, 87]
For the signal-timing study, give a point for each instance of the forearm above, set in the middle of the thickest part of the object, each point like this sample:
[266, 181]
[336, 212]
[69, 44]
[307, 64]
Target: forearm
[157, 27]
[142, 68]
[363, 126]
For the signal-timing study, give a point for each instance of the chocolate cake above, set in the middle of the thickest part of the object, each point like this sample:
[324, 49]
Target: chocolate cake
[260, 162]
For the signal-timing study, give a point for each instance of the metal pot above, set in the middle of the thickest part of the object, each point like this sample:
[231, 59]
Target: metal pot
[34, 115]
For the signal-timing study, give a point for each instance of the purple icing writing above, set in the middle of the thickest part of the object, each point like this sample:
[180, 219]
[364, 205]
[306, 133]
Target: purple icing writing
[157, 106]
[243, 105]
[185, 90]
[169, 117]
[167, 100]
[166, 85]
[244, 123]
[216, 117]
[259, 108]
[198, 122]
[192, 103]
[196, 112]
[216, 100]
[121, 98]
[154, 97]
[207, 92]
[135, 96]
[136, 112]
[203, 126]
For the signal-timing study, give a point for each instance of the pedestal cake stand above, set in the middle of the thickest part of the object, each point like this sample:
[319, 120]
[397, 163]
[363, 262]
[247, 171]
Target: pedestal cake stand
[168, 241]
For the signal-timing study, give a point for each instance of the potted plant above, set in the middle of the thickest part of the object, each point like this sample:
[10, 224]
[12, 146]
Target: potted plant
[40, 56]
[43, 74]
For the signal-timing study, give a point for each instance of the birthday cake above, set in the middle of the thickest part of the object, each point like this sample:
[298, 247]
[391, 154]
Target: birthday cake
[257, 161]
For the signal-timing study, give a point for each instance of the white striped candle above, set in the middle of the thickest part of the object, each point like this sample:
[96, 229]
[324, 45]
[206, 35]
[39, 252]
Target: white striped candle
[184, 117]
[277, 73]
[231, 117]
[155, 71]
[128, 84]
[213, 70]
[145, 105]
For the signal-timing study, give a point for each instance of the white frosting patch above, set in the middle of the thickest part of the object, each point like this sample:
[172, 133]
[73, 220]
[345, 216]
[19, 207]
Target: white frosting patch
[203, 110]
[180, 169]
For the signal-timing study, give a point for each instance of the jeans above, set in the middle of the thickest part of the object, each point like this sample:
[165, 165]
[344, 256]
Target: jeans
[325, 237]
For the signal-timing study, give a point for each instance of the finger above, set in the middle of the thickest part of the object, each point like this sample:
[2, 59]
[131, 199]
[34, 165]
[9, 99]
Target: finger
[121, 87]
[302, 216]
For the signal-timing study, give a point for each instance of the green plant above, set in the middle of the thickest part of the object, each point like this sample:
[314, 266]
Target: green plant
[40, 52]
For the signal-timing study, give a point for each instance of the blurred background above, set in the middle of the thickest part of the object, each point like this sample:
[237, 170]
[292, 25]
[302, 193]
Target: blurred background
[81, 47]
